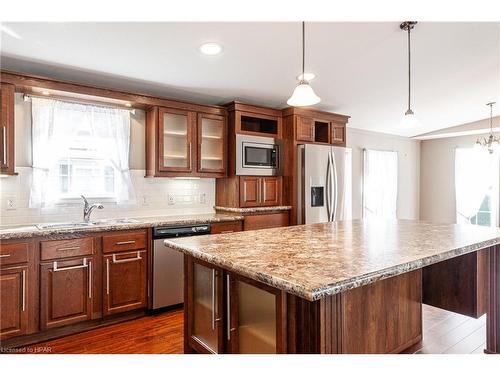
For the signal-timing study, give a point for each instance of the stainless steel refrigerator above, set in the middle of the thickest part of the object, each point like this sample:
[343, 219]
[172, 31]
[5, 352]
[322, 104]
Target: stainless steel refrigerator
[324, 184]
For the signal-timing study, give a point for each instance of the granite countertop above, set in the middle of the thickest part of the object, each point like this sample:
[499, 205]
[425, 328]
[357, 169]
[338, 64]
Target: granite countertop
[252, 210]
[313, 261]
[29, 231]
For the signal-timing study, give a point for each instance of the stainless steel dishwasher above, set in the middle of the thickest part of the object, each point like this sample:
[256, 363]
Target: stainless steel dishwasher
[168, 267]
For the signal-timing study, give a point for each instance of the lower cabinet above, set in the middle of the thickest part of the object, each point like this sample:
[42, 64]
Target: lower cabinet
[125, 281]
[66, 292]
[13, 301]
[255, 319]
[231, 314]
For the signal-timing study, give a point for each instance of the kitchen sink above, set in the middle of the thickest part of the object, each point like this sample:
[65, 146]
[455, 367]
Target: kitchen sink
[64, 225]
[83, 224]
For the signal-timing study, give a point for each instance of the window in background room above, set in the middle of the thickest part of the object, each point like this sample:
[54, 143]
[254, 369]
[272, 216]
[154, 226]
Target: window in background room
[79, 149]
[380, 184]
[476, 186]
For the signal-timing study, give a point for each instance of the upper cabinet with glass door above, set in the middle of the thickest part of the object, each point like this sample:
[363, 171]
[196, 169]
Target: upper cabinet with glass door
[186, 143]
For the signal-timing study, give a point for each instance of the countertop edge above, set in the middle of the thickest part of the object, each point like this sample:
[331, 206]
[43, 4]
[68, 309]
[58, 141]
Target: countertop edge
[335, 288]
[35, 232]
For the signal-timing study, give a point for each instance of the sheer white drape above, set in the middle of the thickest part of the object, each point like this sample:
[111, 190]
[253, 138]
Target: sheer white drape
[475, 172]
[55, 122]
[380, 184]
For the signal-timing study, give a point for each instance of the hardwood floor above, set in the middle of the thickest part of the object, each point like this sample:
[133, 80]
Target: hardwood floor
[444, 332]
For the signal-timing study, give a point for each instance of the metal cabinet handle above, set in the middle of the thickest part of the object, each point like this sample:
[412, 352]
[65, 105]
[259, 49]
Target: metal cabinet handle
[24, 290]
[125, 242]
[90, 279]
[68, 248]
[126, 260]
[228, 302]
[4, 255]
[56, 269]
[263, 188]
[4, 133]
[107, 276]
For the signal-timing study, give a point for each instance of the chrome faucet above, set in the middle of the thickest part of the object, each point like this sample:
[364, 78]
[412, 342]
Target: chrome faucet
[87, 209]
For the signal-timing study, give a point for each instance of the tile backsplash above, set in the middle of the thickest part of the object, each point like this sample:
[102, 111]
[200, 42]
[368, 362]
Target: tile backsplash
[154, 197]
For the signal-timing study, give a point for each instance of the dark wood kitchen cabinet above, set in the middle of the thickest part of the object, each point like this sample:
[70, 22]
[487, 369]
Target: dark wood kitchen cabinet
[186, 142]
[125, 281]
[66, 292]
[305, 129]
[7, 129]
[256, 317]
[203, 307]
[13, 301]
[260, 191]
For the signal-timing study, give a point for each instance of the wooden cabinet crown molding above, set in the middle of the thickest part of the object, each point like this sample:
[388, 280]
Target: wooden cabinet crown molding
[243, 107]
[31, 84]
[319, 115]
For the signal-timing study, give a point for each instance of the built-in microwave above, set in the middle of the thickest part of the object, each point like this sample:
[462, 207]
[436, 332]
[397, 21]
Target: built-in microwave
[259, 156]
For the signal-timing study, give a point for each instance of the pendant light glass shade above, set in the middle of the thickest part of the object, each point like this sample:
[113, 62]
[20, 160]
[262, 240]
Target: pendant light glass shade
[410, 120]
[303, 96]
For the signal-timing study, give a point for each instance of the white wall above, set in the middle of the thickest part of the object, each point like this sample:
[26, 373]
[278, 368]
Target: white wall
[408, 169]
[191, 196]
[437, 177]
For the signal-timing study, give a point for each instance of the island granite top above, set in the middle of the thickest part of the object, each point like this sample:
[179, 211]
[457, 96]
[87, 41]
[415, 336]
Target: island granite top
[316, 260]
[30, 230]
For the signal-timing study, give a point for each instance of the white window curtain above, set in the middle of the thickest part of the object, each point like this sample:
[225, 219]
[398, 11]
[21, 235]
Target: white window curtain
[55, 123]
[380, 184]
[475, 171]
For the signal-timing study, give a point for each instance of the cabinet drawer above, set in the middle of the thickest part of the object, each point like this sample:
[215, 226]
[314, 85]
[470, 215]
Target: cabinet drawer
[274, 220]
[14, 253]
[233, 226]
[124, 241]
[66, 248]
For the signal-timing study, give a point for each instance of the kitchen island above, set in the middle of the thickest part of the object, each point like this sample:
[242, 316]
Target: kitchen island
[343, 287]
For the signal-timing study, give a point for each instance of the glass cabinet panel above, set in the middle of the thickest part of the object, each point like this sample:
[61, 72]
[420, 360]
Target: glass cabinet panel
[205, 306]
[211, 143]
[175, 142]
[256, 320]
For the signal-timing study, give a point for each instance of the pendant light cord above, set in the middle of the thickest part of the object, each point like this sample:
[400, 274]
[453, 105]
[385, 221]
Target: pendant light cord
[303, 50]
[409, 69]
[491, 118]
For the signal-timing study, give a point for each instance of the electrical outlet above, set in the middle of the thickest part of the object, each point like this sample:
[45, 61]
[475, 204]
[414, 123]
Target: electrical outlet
[11, 204]
[145, 200]
[170, 199]
[203, 198]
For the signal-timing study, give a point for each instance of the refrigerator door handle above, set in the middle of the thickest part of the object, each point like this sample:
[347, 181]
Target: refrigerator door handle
[335, 187]
[328, 187]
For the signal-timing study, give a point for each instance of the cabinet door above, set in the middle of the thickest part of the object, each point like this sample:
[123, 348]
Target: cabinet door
[305, 129]
[7, 129]
[271, 189]
[65, 292]
[204, 310]
[250, 191]
[13, 301]
[211, 136]
[124, 276]
[338, 133]
[257, 317]
[175, 151]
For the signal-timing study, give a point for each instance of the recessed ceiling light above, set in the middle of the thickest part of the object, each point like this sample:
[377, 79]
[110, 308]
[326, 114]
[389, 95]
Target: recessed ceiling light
[45, 92]
[211, 49]
[306, 76]
[128, 105]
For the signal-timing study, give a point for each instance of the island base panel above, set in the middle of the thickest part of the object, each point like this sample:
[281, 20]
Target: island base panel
[383, 317]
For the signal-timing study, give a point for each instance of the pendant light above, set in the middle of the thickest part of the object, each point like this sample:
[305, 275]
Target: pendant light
[491, 143]
[409, 119]
[303, 95]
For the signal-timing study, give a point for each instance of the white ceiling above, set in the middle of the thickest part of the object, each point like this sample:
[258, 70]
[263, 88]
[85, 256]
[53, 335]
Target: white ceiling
[361, 67]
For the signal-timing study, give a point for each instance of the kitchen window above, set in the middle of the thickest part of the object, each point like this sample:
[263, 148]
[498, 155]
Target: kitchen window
[380, 184]
[79, 149]
[477, 187]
